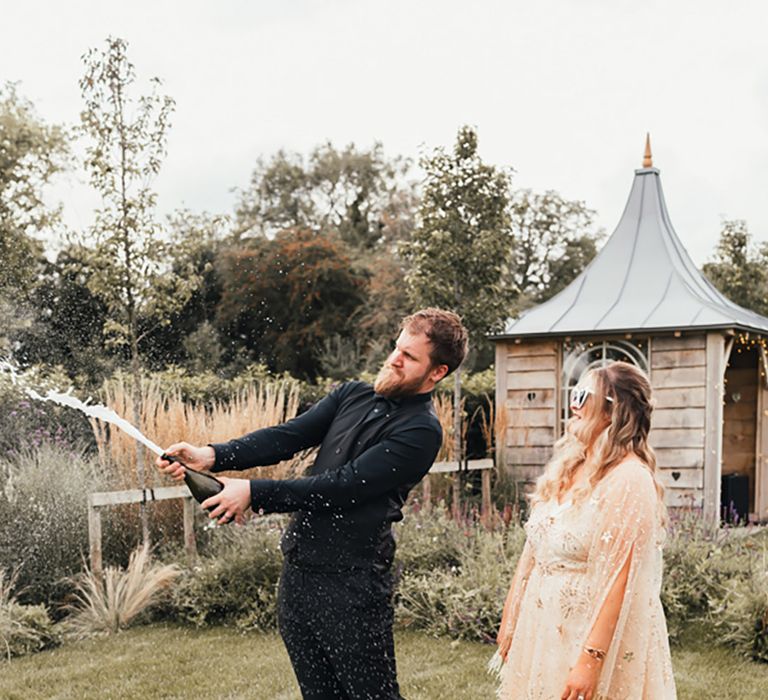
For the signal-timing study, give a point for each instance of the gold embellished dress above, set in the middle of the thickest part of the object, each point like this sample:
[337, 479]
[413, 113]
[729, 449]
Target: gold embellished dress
[571, 559]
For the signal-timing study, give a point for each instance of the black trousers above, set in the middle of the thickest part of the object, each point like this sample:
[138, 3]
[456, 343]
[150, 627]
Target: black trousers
[337, 628]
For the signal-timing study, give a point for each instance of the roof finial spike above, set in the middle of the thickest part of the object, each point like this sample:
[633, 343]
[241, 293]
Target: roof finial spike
[647, 158]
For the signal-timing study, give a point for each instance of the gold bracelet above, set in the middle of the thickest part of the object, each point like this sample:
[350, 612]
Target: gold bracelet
[595, 653]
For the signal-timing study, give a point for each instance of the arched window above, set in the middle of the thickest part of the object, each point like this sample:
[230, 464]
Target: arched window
[581, 356]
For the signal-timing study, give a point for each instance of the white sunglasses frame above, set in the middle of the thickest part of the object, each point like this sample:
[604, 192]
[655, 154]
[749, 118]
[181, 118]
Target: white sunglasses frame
[585, 393]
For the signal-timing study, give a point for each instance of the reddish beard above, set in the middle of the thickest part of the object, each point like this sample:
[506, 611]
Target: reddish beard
[390, 383]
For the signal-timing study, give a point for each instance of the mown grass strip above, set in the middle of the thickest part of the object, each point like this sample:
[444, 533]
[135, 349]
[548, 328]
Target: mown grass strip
[180, 662]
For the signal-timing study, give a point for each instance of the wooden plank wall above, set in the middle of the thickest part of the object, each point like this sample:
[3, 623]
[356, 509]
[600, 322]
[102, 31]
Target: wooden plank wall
[678, 377]
[527, 384]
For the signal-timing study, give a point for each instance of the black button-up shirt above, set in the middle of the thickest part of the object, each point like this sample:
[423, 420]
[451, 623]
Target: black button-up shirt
[373, 451]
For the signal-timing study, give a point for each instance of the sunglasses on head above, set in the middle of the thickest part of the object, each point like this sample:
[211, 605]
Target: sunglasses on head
[579, 397]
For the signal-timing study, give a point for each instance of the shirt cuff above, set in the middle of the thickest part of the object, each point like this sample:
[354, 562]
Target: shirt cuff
[225, 457]
[262, 492]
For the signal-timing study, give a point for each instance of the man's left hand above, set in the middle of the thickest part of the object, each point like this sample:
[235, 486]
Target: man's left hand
[231, 502]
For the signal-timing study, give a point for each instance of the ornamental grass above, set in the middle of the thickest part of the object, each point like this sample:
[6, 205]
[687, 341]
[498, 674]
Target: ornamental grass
[108, 603]
[166, 418]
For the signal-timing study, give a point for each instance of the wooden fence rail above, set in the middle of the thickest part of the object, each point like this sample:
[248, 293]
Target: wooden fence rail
[104, 499]
[485, 465]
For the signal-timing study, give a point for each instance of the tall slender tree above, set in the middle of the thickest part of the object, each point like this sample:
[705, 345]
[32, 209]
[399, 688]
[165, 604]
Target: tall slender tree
[459, 250]
[130, 256]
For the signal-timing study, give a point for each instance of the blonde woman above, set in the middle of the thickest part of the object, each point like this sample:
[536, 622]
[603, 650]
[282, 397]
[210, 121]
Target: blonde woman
[583, 619]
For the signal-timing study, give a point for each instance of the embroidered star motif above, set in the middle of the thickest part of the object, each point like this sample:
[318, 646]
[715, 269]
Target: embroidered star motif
[606, 537]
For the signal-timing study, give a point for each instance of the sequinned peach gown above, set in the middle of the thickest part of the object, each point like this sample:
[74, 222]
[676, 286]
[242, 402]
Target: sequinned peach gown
[571, 558]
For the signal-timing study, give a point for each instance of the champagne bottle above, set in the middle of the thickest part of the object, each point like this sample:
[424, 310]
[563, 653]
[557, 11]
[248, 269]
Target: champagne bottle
[200, 485]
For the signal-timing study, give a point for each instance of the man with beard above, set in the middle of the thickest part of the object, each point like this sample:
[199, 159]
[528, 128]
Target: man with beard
[376, 443]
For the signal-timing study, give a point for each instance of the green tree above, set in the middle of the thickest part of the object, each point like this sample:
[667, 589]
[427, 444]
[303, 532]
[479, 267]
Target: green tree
[190, 339]
[386, 302]
[31, 153]
[67, 330]
[283, 297]
[552, 241]
[740, 269]
[130, 257]
[360, 195]
[459, 251]
[460, 248]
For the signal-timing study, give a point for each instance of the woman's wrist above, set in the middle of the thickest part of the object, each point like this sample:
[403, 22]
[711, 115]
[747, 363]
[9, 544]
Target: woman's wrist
[594, 652]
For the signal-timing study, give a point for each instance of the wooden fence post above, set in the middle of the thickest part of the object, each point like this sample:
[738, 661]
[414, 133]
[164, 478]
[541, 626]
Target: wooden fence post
[426, 493]
[485, 508]
[190, 544]
[94, 539]
[456, 505]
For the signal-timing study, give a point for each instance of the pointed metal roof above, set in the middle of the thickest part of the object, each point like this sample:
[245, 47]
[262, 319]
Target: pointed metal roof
[642, 280]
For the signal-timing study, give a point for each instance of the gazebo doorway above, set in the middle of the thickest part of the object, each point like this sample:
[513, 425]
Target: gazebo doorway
[740, 411]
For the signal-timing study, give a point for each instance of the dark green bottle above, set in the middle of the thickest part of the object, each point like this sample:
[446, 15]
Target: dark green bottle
[200, 484]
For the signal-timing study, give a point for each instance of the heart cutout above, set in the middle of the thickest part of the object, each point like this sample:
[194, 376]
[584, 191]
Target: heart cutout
[676, 475]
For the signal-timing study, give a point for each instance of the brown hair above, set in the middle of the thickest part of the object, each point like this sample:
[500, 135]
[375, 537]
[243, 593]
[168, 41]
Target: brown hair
[446, 333]
[608, 432]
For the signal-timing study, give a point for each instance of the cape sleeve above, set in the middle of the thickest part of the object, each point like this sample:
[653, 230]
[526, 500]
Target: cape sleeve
[627, 527]
[512, 604]
[516, 591]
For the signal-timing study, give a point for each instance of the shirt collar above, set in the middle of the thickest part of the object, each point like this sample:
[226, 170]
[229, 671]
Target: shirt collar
[406, 400]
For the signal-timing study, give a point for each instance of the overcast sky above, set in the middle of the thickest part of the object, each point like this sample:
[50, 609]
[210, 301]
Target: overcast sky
[562, 90]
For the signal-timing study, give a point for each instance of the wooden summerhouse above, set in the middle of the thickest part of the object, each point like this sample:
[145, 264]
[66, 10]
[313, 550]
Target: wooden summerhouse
[643, 300]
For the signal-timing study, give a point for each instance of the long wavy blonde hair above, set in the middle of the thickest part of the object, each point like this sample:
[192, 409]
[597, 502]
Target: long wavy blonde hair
[606, 433]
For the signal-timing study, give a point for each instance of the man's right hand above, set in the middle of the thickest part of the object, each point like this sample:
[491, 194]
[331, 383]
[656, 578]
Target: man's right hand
[197, 458]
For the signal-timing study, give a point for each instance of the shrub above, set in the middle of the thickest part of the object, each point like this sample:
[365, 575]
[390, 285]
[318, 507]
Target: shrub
[235, 583]
[27, 424]
[699, 563]
[741, 615]
[23, 628]
[209, 388]
[428, 540]
[454, 575]
[109, 603]
[43, 518]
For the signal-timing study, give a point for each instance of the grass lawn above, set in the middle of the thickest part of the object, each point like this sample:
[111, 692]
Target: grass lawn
[179, 662]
